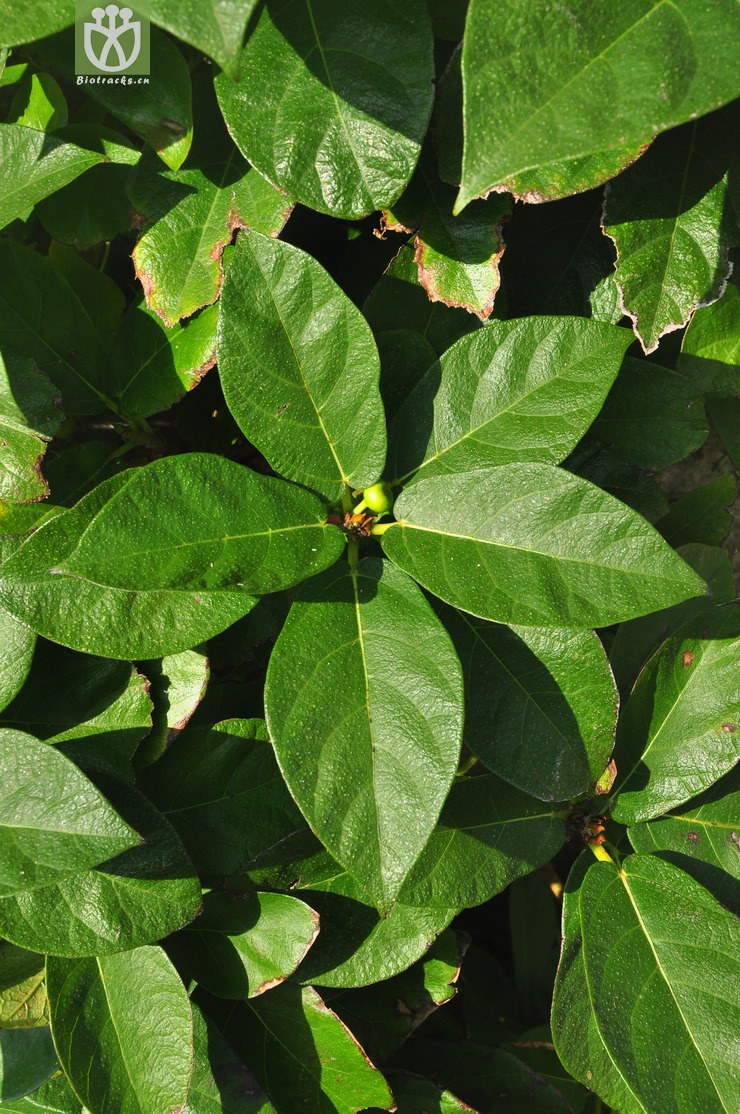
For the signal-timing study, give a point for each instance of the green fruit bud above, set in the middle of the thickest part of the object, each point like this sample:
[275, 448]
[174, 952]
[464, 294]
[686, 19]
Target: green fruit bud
[378, 498]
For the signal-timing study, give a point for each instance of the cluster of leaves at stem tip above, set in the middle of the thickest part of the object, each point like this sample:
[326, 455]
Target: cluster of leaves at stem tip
[369, 666]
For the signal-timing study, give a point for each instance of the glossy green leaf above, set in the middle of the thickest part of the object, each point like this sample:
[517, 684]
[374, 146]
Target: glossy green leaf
[136, 898]
[43, 317]
[540, 705]
[702, 515]
[241, 947]
[90, 210]
[672, 255]
[680, 729]
[95, 709]
[23, 1001]
[221, 1082]
[16, 653]
[637, 974]
[34, 165]
[652, 417]
[299, 368]
[27, 1059]
[383, 1016]
[189, 217]
[215, 27]
[347, 139]
[710, 349]
[177, 684]
[34, 19]
[515, 391]
[38, 103]
[55, 823]
[371, 770]
[151, 367]
[222, 791]
[302, 1053]
[101, 1016]
[534, 545]
[399, 301]
[457, 256]
[488, 835]
[29, 417]
[701, 837]
[578, 91]
[405, 357]
[626, 482]
[221, 527]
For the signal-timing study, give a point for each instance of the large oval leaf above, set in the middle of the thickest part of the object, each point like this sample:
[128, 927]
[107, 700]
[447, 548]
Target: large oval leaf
[299, 367]
[540, 704]
[54, 822]
[239, 948]
[34, 165]
[559, 99]
[364, 707]
[516, 390]
[534, 545]
[221, 1083]
[102, 1010]
[136, 898]
[27, 1059]
[631, 938]
[680, 729]
[333, 100]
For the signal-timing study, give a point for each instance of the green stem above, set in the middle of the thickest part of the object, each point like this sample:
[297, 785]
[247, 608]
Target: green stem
[353, 553]
[601, 853]
[380, 528]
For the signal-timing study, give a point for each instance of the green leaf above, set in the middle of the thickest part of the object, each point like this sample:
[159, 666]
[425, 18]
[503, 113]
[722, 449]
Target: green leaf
[560, 101]
[241, 947]
[221, 1082]
[215, 28]
[420, 1096]
[457, 256]
[43, 317]
[623, 991]
[710, 349]
[34, 165]
[303, 1055]
[302, 384]
[27, 1059]
[399, 301]
[635, 641]
[38, 103]
[222, 791]
[652, 416]
[534, 927]
[359, 78]
[383, 1016]
[29, 417]
[16, 653]
[55, 823]
[54, 1097]
[725, 417]
[702, 515]
[137, 898]
[532, 544]
[151, 367]
[189, 217]
[365, 676]
[34, 19]
[95, 709]
[626, 482]
[221, 527]
[672, 254]
[515, 391]
[90, 210]
[159, 110]
[101, 1016]
[488, 835]
[540, 705]
[23, 1001]
[701, 837]
[177, 684]
[680, 729]
[405, 357]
